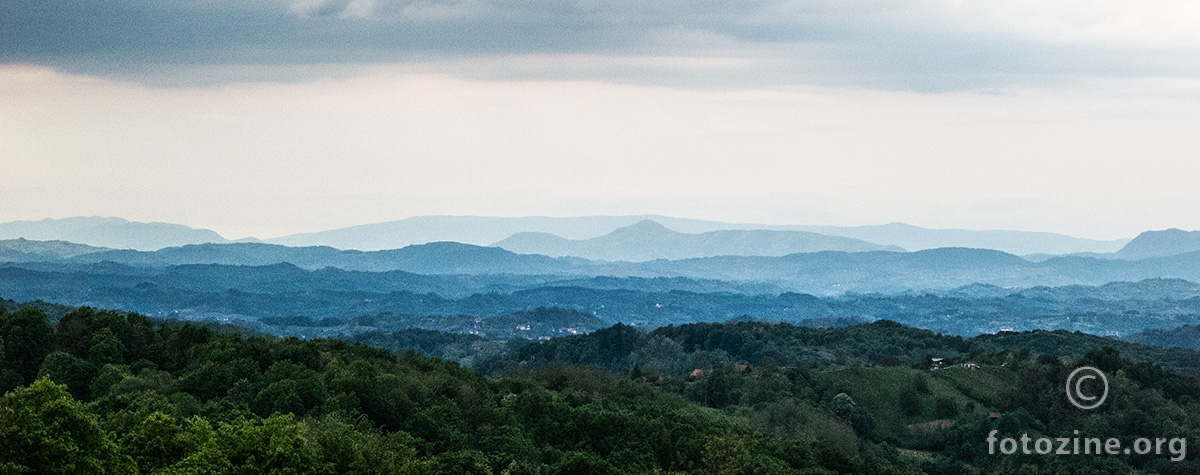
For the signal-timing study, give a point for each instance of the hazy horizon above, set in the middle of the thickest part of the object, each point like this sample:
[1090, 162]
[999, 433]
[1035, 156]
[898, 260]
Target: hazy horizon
[737, 225]
[456, 228]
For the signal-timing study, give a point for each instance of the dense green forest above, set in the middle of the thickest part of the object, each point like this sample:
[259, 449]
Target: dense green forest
[112, 392]
[109, 392]
[1187, 336]
[880, 343]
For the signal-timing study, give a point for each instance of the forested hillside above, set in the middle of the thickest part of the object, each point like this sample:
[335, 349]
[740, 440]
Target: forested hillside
[109, 392]
[1186, 336]
[112, 392]
[881, 343]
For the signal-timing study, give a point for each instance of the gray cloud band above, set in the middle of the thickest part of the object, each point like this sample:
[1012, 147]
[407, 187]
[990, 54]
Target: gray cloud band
[871, 44]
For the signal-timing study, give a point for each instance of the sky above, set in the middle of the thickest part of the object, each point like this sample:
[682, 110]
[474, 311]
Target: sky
[270, 117]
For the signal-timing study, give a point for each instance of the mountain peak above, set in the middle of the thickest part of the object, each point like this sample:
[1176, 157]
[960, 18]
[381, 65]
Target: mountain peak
[1167, 242]
[642, 228]
[647, 240]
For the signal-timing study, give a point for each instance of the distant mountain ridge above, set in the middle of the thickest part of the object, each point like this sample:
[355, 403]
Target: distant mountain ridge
[484, 230]
[115, 233]
[821, 273]
[648, 240]
[118, 233]
[1147, 290]
[432, 258]
[1163, 243]
[1021, 243]
[477, 230]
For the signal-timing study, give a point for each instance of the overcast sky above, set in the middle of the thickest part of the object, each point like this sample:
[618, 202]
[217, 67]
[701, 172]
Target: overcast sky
[271, 117]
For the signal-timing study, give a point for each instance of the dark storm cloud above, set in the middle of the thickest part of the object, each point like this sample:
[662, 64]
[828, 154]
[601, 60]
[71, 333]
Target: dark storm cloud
[781, 42]
[275, 31]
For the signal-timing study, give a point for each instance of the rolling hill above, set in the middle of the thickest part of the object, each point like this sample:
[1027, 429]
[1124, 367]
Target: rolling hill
[113, 233]
[1164, 243]
[648, 240]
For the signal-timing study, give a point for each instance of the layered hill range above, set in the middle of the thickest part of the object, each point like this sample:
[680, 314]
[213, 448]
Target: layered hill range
[764, 259]
[644, 272]
[485, 231]
[116, 233]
